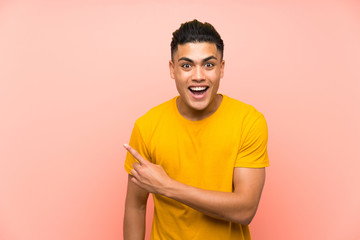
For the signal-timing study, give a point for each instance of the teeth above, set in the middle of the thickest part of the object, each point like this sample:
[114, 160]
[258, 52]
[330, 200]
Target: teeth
[197, 88]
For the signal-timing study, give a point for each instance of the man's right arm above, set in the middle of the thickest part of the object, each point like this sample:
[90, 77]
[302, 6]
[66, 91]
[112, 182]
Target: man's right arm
[135, 212]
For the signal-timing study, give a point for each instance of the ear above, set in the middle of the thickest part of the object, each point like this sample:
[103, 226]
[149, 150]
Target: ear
[171, 68]
[222, 67]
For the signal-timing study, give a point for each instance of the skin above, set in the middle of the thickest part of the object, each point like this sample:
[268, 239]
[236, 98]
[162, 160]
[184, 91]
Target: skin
[193, 64]
[197, 64]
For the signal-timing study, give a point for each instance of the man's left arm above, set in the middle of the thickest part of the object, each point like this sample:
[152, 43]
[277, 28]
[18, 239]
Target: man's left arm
[238, 206]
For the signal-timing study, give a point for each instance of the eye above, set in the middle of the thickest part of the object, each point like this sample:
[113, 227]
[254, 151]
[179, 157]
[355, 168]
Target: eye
[186, 65]
[209, 65]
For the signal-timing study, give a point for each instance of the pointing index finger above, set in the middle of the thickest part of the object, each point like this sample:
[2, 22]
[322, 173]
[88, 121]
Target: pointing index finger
[135, 154]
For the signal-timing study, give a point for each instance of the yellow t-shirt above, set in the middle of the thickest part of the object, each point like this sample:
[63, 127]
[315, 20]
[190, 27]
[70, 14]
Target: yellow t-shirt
[202, 154]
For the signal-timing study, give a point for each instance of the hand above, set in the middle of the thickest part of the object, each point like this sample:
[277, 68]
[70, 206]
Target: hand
[147, 175]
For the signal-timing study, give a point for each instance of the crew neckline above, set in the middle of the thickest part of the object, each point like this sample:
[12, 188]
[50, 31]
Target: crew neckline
[219, 109]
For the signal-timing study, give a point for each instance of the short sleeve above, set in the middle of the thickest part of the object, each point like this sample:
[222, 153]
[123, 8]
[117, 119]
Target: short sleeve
[137, 142]
[253, 148]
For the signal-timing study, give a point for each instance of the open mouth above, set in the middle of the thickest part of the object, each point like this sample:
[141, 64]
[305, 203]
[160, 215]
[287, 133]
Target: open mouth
[198, 90]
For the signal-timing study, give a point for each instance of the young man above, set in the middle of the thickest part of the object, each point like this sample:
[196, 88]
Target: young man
[202, 154]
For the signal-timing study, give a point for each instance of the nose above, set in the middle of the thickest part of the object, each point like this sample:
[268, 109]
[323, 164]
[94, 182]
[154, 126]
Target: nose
[198, 74]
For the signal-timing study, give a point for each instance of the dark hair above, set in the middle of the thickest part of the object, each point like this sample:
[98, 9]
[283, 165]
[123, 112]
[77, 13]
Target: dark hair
[196, 31]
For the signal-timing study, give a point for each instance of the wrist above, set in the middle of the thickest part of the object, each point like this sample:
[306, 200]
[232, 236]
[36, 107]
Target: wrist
[169, 188]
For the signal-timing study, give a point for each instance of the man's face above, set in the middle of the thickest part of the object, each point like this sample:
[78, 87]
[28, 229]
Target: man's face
[197, 69]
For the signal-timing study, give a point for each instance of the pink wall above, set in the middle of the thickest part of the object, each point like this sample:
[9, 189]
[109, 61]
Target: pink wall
[75, 76]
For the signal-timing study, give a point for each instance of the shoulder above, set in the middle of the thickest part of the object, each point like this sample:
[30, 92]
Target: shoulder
[239, 109]
[156, 113]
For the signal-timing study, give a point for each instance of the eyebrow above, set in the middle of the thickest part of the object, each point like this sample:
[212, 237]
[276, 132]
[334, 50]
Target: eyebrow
[190, 60]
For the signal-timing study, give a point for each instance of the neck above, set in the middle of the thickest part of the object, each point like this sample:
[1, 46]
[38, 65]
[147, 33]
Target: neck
[196, 115]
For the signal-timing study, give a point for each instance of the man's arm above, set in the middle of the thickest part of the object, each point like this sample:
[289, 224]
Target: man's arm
[135, 211]
[237, 206]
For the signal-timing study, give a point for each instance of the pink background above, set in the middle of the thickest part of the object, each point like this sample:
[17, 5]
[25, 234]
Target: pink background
[76, 75]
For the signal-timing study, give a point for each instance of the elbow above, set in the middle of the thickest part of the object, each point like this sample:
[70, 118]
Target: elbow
[246, 221]
[244, 217]
[243, 220]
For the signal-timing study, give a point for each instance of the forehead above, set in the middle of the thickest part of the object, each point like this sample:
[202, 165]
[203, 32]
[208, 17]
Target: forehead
[197, 51]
